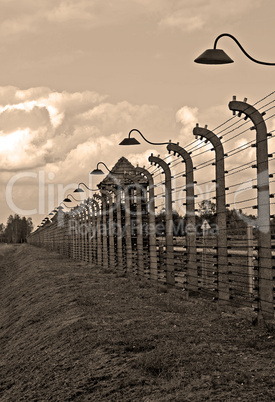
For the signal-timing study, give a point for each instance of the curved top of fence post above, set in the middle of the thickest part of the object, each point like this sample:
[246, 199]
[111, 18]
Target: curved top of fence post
[162, 163]
[168, 186]
[249, 111]
[149, 177]
[219, 158]
[211, 137]
[177, 149]
[146, 173]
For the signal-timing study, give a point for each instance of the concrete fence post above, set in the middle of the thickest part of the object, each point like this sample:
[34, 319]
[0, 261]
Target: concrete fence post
[83, 233]
[93, 232]
[266, 303]
[103, 230]
[109, 197]
[98, 232]
[119, 233]
[88, 230]
[250, 266]
[136, 186]
[191, 250]
[170, 273]
[222, 258]
[152, 224]
[128, 234]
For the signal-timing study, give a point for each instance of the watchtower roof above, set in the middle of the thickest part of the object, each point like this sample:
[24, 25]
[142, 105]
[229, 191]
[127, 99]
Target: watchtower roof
[121, 174]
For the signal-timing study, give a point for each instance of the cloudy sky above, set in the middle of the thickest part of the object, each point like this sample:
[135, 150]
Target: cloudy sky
[78, 75]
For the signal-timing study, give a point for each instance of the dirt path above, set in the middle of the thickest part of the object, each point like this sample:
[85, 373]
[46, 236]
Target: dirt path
[70, 332]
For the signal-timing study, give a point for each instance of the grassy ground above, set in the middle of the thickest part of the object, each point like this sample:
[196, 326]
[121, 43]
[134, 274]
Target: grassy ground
[70, 332]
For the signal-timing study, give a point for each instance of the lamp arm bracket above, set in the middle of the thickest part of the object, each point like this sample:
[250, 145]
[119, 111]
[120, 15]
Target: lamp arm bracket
[149, 142]
[242, 49]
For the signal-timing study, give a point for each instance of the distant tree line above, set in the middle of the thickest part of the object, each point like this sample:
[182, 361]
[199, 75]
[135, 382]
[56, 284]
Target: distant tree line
[16, 230]
[236, 220]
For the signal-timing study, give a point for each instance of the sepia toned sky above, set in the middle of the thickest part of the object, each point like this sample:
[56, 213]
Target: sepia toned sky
[78, 75]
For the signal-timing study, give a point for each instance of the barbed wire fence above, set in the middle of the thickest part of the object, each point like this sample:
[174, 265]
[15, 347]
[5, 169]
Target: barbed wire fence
[200, 219]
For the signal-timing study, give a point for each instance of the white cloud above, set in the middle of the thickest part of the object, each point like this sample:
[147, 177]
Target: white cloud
[141, 159]
[188, 15]
[188, 118]
[47, 127]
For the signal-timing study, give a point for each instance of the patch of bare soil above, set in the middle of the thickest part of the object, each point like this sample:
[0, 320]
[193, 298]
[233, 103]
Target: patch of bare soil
[72, 332]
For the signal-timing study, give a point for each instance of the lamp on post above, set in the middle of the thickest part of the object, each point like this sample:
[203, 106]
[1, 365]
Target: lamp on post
[98, 171]
[79, 190]
[67, 199]
[218, 56]
[133, 141]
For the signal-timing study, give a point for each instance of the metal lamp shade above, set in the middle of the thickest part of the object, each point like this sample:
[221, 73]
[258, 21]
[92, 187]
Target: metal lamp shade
[97, 171]
[214, 56]
[129, 141]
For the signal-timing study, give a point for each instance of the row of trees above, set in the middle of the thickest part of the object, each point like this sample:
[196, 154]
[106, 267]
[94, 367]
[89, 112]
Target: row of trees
[16, 230]
[237, 221]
